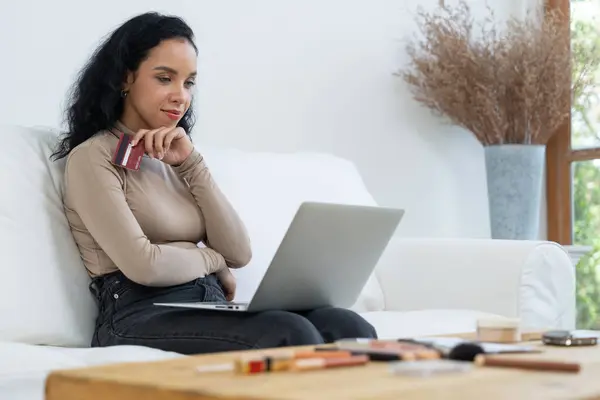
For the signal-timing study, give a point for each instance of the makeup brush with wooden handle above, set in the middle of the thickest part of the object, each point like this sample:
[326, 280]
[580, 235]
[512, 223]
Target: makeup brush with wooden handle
[474, 353]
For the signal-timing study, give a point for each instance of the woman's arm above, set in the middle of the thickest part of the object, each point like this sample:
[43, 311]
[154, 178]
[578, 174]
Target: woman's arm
[225, 230]
[95, 192]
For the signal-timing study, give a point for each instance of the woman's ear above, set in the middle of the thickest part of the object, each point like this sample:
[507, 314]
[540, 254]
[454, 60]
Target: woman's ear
[129, 79]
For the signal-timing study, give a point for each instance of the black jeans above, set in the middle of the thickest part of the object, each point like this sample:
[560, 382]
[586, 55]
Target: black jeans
[127, 316]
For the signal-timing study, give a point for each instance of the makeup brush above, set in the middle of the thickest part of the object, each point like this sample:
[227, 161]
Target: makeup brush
[473, 352]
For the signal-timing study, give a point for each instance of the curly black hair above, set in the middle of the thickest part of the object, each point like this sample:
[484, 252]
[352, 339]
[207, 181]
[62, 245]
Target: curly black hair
[95, 101]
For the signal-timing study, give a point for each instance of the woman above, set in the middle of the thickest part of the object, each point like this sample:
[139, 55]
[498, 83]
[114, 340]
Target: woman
[138, 230]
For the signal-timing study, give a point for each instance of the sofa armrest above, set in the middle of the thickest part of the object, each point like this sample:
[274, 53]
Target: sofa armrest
[530, 280]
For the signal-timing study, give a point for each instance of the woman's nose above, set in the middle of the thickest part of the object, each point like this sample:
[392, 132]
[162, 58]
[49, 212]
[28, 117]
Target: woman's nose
[179, 94]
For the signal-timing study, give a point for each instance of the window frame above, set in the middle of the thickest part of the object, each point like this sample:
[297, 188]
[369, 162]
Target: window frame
[559, 159]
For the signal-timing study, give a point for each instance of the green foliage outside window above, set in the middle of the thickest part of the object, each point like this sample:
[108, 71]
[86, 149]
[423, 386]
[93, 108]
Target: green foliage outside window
[586, 174]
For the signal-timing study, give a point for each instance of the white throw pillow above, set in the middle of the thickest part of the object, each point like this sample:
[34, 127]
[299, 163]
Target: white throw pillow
[44, 295]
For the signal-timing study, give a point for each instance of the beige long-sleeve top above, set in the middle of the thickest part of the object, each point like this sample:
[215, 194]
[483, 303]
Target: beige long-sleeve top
[147, 223]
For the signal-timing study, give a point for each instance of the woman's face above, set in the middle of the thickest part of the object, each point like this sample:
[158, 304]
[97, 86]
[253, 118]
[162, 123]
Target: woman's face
[160, 91]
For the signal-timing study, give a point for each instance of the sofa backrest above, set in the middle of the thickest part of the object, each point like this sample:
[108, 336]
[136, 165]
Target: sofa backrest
[44, 295]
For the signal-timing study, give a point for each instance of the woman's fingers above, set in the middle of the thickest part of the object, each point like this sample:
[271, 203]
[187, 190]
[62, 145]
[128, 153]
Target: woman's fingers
[169, 137]
[149, 142]
[156, 141]
[149, 137]
[159, 139]
[138, 136]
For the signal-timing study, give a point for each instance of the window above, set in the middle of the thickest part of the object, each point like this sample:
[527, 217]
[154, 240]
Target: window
[573, 171]
[573, 154]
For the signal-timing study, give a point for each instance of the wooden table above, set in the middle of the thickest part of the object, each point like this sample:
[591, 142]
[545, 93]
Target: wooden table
[177, 379]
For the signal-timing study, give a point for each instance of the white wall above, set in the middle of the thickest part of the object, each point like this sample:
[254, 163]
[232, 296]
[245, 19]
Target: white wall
[279, 75]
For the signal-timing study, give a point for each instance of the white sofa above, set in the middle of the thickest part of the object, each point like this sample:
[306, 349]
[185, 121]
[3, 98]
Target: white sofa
[420, 287]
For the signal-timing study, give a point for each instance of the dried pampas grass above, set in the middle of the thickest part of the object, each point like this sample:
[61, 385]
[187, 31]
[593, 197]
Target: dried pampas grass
[505, 87]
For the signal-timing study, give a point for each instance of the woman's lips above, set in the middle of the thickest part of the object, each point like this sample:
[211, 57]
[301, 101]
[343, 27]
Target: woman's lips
[172, 114]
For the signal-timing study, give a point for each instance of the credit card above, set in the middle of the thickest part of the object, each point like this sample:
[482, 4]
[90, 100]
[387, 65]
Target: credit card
[126, 155]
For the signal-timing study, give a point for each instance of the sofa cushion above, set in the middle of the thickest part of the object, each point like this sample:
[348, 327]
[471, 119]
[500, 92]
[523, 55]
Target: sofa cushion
[24, 367]
[406, 324]
[21, 358]
[44, 296]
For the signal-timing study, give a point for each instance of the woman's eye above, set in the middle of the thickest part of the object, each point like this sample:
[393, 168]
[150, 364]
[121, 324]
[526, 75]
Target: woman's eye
[163, 79]
[190, 84]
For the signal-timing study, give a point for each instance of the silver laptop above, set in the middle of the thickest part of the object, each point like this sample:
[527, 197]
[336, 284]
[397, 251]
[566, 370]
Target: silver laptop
[325, 259]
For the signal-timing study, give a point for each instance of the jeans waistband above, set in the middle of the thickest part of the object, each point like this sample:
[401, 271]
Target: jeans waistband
[99, 283]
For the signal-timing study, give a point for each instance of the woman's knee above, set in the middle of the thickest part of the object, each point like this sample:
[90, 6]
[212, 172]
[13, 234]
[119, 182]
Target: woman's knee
[284, 328]
[340, 323]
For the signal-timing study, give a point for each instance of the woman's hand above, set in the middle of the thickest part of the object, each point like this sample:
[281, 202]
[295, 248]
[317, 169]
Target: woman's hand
[170, 145]
[228, 281]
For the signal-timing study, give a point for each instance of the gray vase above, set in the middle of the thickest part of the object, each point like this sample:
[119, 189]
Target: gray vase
[514, 180]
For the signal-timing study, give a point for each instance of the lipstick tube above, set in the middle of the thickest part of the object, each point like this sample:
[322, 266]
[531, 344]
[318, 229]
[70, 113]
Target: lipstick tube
[322, 354]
